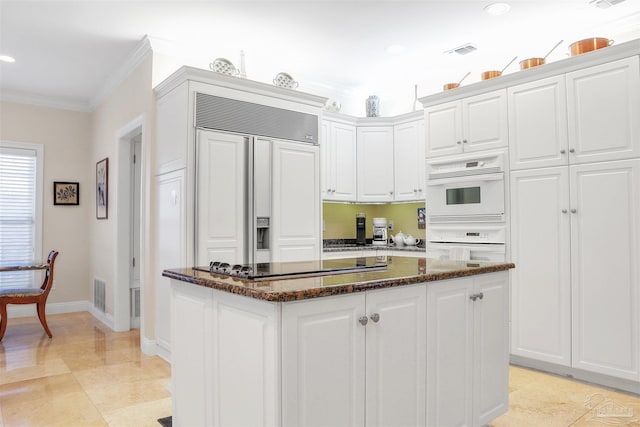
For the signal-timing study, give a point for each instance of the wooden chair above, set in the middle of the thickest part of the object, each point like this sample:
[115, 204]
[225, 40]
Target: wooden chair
[29, 296]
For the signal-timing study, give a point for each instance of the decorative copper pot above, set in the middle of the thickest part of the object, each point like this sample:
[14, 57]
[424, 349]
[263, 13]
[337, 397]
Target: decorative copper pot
[449, 86]
[486, 75]
[587, 45]
[531, 62]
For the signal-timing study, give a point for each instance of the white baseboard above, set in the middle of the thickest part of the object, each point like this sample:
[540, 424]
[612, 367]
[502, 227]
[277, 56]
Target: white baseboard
[148, 346]
[105, 318]
[578, 374]
[28, 310]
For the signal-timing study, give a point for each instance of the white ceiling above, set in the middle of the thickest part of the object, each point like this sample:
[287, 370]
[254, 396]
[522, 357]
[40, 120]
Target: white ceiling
[65, 51]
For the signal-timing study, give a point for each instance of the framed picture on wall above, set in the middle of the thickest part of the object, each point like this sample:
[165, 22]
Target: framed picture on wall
[102, 188]
[66, 193]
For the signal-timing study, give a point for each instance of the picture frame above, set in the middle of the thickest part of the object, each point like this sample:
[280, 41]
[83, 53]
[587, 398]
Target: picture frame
[102, 189]
[66, 193]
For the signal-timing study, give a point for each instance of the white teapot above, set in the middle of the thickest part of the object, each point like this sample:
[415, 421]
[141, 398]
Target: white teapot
[398, 239]
[411, 241]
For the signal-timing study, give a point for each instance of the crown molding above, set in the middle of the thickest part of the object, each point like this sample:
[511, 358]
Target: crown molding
[134, 59]
[45, 101]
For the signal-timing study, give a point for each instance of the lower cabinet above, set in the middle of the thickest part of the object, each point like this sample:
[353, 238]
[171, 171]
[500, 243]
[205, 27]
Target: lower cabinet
[467, 350]
[353, 358]
[430, 354]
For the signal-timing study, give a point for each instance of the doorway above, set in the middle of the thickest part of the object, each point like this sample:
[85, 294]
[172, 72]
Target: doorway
[129, 286]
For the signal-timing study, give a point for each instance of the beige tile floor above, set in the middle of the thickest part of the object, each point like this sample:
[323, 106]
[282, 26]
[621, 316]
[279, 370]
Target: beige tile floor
[88, 375]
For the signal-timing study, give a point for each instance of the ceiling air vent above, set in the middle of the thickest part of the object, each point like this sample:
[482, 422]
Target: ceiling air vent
[464, 49]
[603, 4]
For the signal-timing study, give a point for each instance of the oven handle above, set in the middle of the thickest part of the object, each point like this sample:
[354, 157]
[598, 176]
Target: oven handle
[468, 178]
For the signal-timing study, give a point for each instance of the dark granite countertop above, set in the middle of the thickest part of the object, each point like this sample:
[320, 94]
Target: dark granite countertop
[401, 271]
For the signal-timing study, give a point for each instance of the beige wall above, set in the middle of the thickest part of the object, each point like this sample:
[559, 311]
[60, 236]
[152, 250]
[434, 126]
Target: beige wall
[132, 99]
[340, 218]
[66, 138]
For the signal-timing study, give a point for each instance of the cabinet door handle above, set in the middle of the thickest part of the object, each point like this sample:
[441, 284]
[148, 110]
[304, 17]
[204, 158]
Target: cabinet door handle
[563, 151]
[375, 317]
[363, 320]
[574, 210]
[572, 150]
[473, 297]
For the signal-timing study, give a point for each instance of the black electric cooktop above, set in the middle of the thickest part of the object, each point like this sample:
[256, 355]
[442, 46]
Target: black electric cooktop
[287, 270]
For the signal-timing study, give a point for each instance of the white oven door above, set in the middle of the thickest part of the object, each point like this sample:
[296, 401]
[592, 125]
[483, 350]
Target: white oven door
[473, 252]
[456, 199]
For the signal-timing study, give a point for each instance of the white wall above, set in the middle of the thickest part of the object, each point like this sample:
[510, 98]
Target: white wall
[66, 138]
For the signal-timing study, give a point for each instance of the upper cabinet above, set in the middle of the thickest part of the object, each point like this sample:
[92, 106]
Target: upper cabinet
[408, 161]
[603, 110]
[584, 116]
[338, 149]
[375, 164]
[470, 124]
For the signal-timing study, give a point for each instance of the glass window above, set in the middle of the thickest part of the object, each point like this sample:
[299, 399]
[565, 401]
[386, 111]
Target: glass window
[20, 210]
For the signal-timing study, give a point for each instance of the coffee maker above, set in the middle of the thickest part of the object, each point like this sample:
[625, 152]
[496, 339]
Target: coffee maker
[379, 231]
[361, 229]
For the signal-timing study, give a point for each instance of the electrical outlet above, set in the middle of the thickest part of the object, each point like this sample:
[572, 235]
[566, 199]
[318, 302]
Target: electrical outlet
[390, 225]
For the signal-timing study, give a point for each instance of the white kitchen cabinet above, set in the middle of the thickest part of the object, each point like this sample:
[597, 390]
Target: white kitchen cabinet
[408, 161]
[375, 164]
[172, 129]
[576, 291]
[221, 177]
[467, 343]
[170, 249]
[472, 124]
[540, 249]
[361, 355]
[295, 202]
[538, 124]
[603, 109]
[605, 239]
[338, 149]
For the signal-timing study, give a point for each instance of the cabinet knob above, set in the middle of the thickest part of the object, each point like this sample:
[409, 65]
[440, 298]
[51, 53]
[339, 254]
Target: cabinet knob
[458, 142]
[363, 320]
[480, 295]
[391, 193]
[375, 317]
[563, 151]
[464, 141]
[473, 297]
[572, 150]
[564, 211]
[574, 210]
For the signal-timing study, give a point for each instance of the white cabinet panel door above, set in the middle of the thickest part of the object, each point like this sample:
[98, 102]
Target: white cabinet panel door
[408, 160]
[491, 348]
[323, 362]
[220, 202]
[344, 162]
[605, 234]
[326, 161]
[296, 202]
[484, 120]
[375, 164]
[540, 248]
[604, 106]
[449, 353]
[538, 124]
[396, 356]
[171, 252]
[443, 126]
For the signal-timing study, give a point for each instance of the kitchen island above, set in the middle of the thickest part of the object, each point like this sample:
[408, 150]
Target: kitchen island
[419, 342]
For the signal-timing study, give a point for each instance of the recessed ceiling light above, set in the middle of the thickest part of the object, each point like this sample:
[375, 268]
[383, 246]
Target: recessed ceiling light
[463, 50]
[394, 49]
[7, 58]
[497, 8]
[603, 4]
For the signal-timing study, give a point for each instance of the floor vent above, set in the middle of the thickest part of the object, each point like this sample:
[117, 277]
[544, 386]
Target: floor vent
[99, 292]
[135, 303]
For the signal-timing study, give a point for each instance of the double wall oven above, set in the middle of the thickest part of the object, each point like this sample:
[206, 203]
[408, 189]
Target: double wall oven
[466, 206]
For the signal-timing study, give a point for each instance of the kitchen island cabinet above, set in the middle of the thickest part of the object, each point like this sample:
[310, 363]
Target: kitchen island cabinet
[346, 349]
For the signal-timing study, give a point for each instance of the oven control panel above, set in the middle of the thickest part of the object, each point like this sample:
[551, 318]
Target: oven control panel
[467, 233]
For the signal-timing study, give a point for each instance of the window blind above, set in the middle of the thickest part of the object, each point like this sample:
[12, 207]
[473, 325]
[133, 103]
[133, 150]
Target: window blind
[18, 215]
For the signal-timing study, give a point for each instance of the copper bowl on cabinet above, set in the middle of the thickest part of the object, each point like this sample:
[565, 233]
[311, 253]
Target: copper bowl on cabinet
[486, 75]
[588, 45]
[449, 86]
[531, 62]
